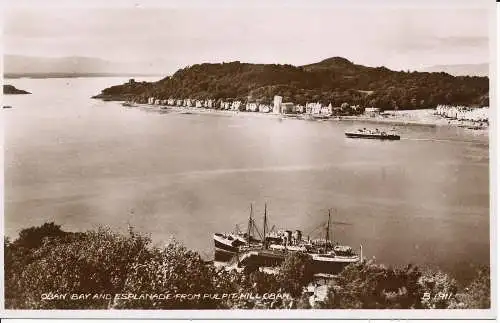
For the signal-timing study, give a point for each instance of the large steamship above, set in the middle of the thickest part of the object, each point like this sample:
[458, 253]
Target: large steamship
[327, 256]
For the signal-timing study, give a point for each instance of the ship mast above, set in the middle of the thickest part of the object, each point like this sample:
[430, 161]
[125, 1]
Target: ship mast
[327, 236]
[249, 224]
[265, 224]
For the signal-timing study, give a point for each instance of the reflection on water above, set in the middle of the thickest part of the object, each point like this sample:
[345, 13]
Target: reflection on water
[83, 163]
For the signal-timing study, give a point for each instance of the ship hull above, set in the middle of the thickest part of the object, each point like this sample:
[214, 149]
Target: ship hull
[329, 266]
[272, 258]
[372, 136]
[223, 255]
[225, 247]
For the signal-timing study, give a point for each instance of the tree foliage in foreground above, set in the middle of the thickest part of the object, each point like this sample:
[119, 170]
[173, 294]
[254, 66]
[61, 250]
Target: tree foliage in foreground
[295, 273]
[46, 260]
[372, 286]
[96, 262]
[170, 270]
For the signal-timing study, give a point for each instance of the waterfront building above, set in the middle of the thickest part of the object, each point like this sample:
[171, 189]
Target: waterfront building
[313, 108]
[287, 107]
[372, 112]
[327, 110]
[316, 108]
[198, 104]
[439, 110]
[251, 106]
[479, 114]
[235, 105]
[151, 100]
[264, 108]
[277, 104]
[171, 101]
[452, 113]
[178, 102]
[157, 102]
[309, 107]
[209, 103]
[463, 113]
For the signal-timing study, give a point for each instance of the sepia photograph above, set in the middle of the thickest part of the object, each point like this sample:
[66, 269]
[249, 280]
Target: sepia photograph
[249, 159]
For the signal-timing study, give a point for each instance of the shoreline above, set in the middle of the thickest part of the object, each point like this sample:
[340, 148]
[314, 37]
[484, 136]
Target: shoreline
[400, 118]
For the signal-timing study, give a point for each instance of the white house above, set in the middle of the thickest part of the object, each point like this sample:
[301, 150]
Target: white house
[235, 105]
[264, 108]
[372, 110]
[327, 110]
[316, 109]
[277, 104]
[313, 108]
[251, 107]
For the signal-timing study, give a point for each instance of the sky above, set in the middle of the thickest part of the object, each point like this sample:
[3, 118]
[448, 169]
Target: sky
[172, 35]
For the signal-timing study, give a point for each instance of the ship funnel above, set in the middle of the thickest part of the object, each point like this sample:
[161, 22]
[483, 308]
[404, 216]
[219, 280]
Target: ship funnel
[297, 236]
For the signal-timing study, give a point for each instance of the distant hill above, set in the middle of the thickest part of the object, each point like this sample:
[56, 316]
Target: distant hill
[334, 64]
[10, 89]
[461, 69]
[41, 67]
[334, 80]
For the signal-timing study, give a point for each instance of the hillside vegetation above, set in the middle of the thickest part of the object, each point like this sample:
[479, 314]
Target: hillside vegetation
[45, 263]
[334, 80]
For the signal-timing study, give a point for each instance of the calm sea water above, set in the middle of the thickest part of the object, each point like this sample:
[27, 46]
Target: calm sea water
[84, 163]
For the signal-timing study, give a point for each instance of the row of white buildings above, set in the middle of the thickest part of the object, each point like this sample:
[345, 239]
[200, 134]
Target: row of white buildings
[183, 102]
[278, 106]
[463, 113]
